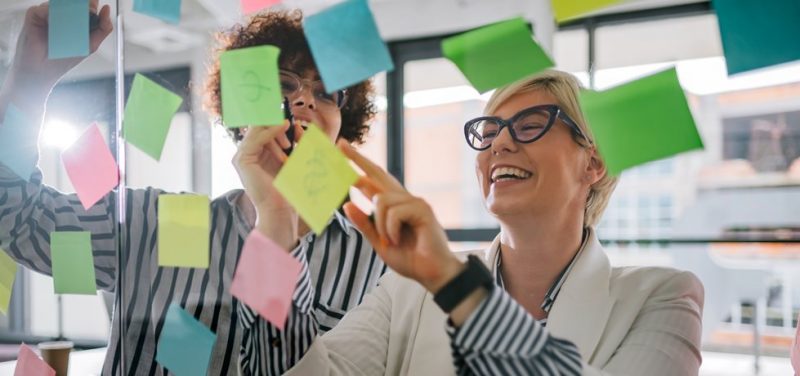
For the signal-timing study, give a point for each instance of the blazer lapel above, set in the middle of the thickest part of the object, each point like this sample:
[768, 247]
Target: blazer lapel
[583, 305]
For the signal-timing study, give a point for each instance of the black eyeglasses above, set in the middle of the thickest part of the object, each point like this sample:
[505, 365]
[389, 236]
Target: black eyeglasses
[292, 84]
[525, 126]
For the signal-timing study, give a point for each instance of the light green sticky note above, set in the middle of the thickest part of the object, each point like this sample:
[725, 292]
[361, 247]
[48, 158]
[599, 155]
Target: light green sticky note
[183, 230]
[73, 265]
[315, 179]
[251, 88]
[8, 270]
[148, 115]
[497, 54]
[566, 10]
[641, 121]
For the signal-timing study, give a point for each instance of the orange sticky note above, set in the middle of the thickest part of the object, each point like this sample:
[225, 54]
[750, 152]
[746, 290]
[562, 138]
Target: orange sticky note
[91, 167]
[253, 6]
[265, 278]
[29, 364]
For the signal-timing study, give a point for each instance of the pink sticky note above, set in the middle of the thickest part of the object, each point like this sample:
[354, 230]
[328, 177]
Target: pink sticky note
[796, 349]
[91, 167]
[29, 364]
[265, 278]
[252, 6]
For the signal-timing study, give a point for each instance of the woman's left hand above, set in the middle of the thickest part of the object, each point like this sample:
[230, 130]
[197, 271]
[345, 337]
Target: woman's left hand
[405, 233]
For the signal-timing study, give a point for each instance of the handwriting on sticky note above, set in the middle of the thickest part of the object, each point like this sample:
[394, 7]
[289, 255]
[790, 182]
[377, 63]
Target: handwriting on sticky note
[148, 115]
[496, 54]
[185, 344]
[183, 230]
[641, 121]
[315, 179]
[91, 167]
[346, 45]
[251, 91]
[265, 278]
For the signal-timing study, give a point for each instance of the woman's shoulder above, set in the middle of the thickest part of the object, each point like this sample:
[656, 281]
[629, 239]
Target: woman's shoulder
[655, 281]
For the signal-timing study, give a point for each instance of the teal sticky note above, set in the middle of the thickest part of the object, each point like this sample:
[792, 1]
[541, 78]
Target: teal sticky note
[185, 344]
[345, 44]
[497, 54]
[68, 29]
[758, 34]
[166, 10]
[148, 115]
[18, 137]
[251, 88]
[641, 121]
[72, 262]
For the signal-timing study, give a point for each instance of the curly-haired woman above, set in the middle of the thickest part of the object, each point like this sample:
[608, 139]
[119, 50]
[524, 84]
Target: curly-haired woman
[340, 261]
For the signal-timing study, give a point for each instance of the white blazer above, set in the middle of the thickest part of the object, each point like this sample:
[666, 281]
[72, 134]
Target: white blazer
[624, 321]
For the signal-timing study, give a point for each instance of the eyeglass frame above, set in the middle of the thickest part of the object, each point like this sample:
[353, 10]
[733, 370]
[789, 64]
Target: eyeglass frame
[305, 82]
[555, 113]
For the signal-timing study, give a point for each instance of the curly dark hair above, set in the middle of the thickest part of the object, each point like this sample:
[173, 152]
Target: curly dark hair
[284, 29]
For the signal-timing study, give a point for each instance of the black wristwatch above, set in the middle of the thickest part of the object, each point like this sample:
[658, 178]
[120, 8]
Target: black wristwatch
[476, 275]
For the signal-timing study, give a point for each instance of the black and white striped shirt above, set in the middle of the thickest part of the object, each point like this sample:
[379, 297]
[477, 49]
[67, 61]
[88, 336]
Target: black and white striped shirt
[30, 211]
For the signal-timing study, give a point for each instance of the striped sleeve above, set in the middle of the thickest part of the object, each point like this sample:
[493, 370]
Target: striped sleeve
[30, 211]
[267, 349]
[501, 338]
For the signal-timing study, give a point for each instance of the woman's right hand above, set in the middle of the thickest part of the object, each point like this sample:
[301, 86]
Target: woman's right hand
[258, 159]
[31, 70]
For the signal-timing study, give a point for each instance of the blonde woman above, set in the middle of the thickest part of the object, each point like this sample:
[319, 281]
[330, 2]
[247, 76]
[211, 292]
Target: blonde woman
[542, 299]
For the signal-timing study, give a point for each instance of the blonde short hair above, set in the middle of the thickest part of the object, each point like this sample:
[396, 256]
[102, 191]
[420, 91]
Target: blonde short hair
[565, 88]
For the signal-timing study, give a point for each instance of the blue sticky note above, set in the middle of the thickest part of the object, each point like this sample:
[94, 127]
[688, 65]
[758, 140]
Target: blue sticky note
[758, 34]
[18, 148]
[68, 30]
[185, 344]
[166, 10]
[345, 44]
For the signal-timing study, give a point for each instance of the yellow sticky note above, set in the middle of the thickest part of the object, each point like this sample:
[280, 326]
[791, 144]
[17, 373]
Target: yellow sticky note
[566, 10]
[316, 178]
[8, 270]
[183, 230]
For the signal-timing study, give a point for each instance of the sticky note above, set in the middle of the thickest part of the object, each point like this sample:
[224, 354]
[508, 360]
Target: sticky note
[566, 10]
[91, 167]
[641, 121]
[8, 271]
[345, 44]
[68, 29]
[18, 142]
[73, 265]
[165, 10]
[253, 6]
[30, 364]
[185, 344]
[315, 179]
[758, 34]
[183, 230]
[497, 54]
[148, 115]
[265, 278]
[251, 87]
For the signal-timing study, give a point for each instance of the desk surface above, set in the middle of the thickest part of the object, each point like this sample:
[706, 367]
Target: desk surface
[87, 362]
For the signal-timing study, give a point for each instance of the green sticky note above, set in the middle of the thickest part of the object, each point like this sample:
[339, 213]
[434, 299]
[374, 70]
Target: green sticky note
[566, 10]
[183, 230]
[251, 88]
[497, 54]
[758, 34]
[8, 270]
[73, 266]
[641, 121]
[315, 179]
[148, 115]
